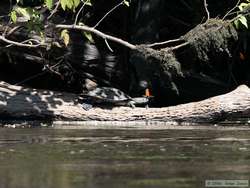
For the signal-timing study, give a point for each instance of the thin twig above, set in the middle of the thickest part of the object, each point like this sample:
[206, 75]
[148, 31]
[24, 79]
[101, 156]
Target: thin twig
[106, 42]
[40, 74]
[54, 10]
[20, 44]
[50, 68]
[163, 43]
[13, 30]
[24, 42]
[237, 17]
[180, 46]
[231, 13]
[78, 13]
[115, 7]
[29, 78]
[228, 13]
[175, 47]
[206, 9]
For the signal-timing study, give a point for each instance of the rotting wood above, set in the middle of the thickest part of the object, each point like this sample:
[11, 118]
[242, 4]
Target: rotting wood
[24, 103]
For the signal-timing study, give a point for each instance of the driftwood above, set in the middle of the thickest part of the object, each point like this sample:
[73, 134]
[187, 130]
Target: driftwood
[22, 103]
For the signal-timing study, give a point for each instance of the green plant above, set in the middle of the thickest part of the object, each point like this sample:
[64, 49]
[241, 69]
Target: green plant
[33, 18]
[241, 19]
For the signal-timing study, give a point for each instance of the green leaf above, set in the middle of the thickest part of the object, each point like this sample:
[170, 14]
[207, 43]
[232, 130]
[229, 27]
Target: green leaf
[88, 2]
[63, 4]
[70, 4]
[13, 16]
[49, 4]
[242, 6]
[89, 36]
[23, 12]
[237, 24]
[126, 3]
[76, 3]
[65, 36]
[243, 21]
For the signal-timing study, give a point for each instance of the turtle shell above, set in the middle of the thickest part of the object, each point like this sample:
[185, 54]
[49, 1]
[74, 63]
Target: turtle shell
[107, 94]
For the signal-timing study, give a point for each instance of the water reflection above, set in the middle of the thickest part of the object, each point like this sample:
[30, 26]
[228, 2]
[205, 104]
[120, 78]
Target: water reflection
[121, 158]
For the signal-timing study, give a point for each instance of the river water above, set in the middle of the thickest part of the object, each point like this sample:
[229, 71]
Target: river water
[99, 158]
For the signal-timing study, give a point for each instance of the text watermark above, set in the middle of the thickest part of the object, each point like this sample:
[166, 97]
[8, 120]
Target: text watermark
[227, 183]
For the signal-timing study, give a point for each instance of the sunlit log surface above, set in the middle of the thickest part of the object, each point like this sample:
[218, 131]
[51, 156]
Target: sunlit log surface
[20, 103]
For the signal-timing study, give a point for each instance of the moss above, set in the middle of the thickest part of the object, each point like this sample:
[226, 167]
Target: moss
[211, 39]
[165, 57]
[164, 63]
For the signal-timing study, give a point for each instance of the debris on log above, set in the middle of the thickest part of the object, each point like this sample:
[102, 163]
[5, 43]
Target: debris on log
[20, 103]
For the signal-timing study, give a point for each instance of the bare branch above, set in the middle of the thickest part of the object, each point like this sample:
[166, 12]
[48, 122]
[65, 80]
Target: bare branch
[50, 69]
[180, 46]
[115, 7]
[163, 43]
[23, 42]
[106, 42]
[237, 17]
[29, 78]
[20, 44]
[229, 12]
[80, 10]
[13, 30]
[175, 47]
[97, 33]
[206, 9]
[54, 10]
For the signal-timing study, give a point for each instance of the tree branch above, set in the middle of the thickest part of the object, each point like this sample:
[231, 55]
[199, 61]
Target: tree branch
[228, 13]
[20, 44]
[78, 13]
[54, 10]
[206, 9]
[115, 7]
[97, 33]
[163, 43]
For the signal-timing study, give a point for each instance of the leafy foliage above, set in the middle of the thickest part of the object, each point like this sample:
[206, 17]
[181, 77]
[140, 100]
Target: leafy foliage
[70, 4]
[28, 15]
[34, 19]
[242, 17]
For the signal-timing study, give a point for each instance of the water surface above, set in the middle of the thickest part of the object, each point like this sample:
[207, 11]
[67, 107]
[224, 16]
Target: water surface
[83, 158]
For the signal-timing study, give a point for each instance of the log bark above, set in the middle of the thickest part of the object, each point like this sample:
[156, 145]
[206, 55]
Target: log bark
[20, 103]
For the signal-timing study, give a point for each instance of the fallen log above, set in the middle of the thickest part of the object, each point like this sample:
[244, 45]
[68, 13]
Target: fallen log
[20, 103]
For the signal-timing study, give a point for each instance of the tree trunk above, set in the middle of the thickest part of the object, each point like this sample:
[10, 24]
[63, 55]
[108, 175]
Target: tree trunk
[19, 103]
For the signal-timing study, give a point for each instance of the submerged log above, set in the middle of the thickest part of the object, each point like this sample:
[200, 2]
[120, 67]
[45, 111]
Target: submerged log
[20, 103]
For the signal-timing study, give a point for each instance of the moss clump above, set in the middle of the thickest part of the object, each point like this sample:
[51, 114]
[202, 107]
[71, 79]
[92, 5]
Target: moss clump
[211, 39]
[164, 64]
[165, 58]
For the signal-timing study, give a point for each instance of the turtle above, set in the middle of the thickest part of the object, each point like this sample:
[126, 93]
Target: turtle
[111, 96]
